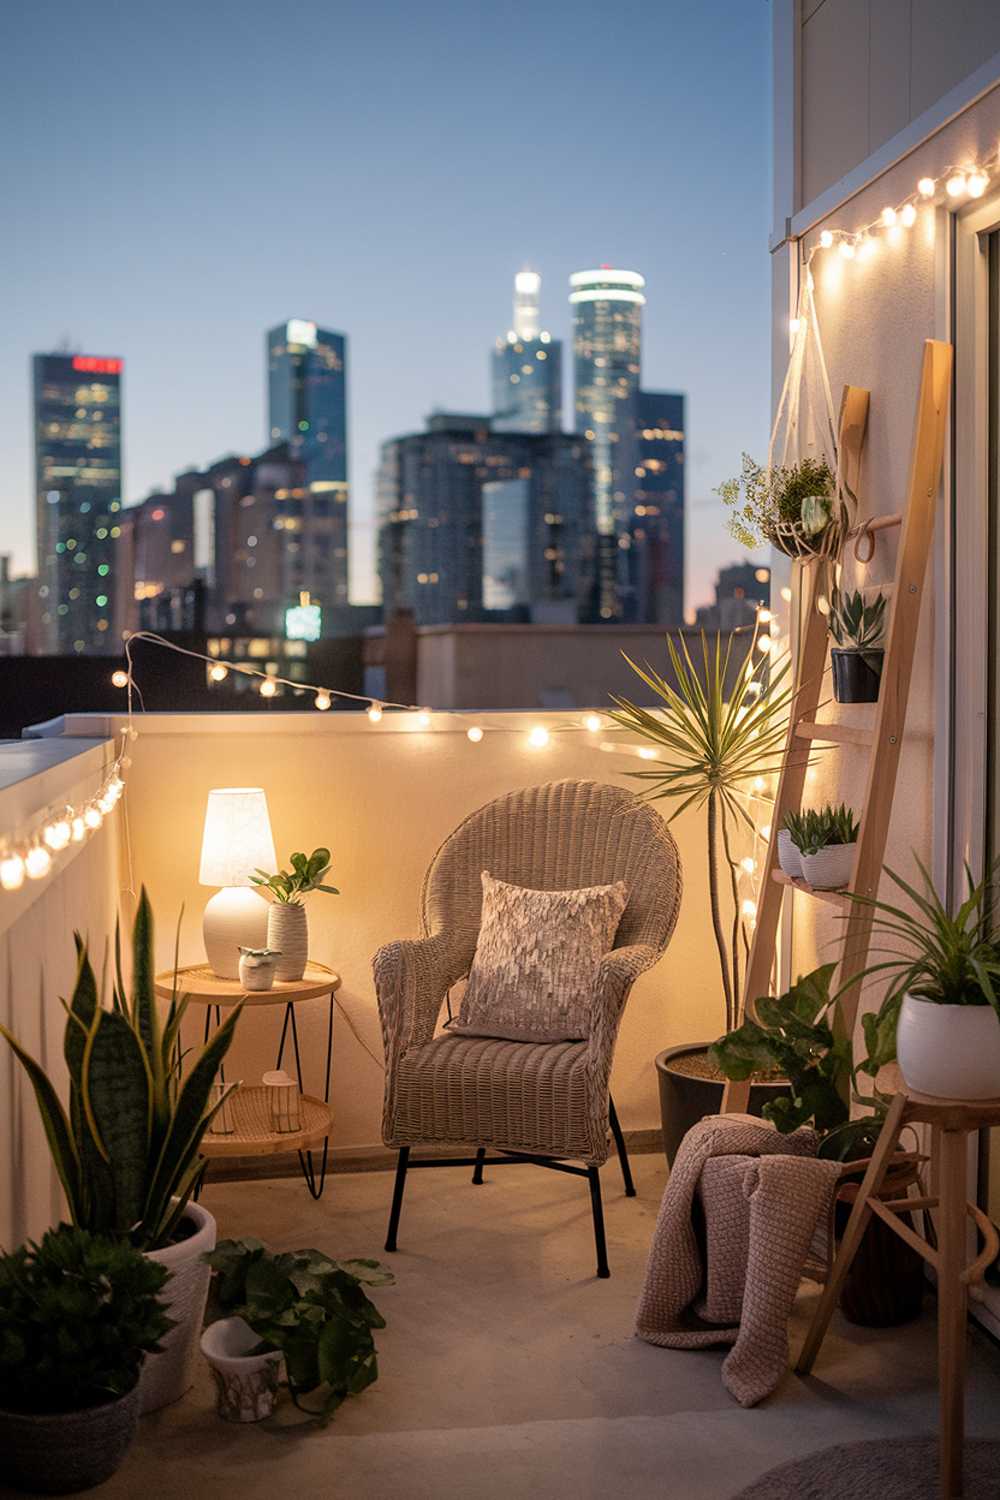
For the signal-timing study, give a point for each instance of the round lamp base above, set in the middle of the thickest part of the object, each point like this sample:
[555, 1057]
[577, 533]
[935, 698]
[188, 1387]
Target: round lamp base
[235, 918]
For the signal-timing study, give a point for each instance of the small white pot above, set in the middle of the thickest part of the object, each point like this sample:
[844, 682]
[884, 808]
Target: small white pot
[789, 857]
[166, 1376]
[949, 1051]
[288, 935]
[246, 1384]
[830, 869]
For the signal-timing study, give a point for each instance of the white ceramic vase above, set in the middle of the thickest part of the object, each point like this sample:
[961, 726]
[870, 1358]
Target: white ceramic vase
[789, 857]
[166, 1376]
[829, 869]
[288, 933]
[949, 1051]
[246, 1384]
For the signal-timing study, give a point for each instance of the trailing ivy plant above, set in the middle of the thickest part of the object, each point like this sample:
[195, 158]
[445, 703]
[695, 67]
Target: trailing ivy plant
[126, 1145]
[78, 1313]
[763, 501]
[795, 1037]
[312, 1308]
[306, 874]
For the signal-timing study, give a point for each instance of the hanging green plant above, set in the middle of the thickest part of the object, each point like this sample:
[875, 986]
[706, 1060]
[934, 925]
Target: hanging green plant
[791, 507]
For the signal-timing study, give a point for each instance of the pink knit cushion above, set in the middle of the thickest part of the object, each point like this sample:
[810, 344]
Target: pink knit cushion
[536, 961]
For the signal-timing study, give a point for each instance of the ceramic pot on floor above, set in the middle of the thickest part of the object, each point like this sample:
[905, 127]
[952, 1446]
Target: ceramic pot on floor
[166, 1376]
[59, 1453]
[949, 1051]
[789, 857]
[830, 869]
[288, 934]
[246, 1384]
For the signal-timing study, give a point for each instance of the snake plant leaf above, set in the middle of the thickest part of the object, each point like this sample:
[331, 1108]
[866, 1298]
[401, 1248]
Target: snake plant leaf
[116, 1094]
[145, 1016]
[54, 1122]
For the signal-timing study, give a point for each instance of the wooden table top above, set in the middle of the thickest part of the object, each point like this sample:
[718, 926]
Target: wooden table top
[949, 1114]
[202, 987]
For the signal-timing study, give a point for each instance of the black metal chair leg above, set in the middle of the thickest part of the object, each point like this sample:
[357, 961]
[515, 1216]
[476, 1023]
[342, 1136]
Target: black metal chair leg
[477, 1171]
[397, 1197]
[599, 1240]
[616, 1131]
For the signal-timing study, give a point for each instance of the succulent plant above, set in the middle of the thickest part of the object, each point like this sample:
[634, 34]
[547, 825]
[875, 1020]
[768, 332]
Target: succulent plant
[814, 829]
[855, 625]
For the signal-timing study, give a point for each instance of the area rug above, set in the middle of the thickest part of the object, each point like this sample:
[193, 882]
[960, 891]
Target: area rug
[897, 1469]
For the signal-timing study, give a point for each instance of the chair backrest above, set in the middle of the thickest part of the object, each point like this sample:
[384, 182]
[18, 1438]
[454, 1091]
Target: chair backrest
[561, 836]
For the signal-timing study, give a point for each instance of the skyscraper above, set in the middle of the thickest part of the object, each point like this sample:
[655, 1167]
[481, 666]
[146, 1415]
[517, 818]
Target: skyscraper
[656, 531]
[78, 484]
[307, 402]
[526, 367]
[607, 351]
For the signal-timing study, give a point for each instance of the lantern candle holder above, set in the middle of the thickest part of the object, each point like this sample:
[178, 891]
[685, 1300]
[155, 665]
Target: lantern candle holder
[223, 1122]
[284, 1102]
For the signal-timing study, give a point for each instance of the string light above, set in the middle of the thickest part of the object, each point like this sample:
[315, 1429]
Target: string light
[93, 817]
[794, 324]
[889, 217]
[926, 187]
[763, 616]
[322, 701]
[58, 834]
[908, 215]
[375, 713]
[11, 872]
[474, 734]
[748, 865]
[977, 184]
[592, 724]
[846, 248]
[956, 185]
[119, 678]
[268, 687]
[218, 673]
[422, 718]
[538, 738]
[37, 862]
[826, 239]
[646, 752]
[749, 908]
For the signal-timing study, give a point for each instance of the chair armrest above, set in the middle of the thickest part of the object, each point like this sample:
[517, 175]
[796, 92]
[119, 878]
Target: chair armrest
[616, 974]
[412, 978]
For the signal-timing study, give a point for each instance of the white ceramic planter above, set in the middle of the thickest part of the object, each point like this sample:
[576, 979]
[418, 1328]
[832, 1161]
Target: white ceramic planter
[246, 1384]
[166, 1376]
[949, 1051]
[789, 857]
[830, 869]
[288, 934]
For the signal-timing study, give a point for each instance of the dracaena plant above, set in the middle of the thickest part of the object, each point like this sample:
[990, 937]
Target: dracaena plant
[855, 625]
[306, 874]
[714, 731]
[126, 1143]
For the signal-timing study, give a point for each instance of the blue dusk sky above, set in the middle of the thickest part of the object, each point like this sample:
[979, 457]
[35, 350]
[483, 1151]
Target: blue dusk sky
[179, 178]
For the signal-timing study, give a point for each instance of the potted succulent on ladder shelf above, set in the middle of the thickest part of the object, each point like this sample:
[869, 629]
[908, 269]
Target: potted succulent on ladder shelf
[712, 744]
[825, 842]
[857, 657]
[126, 1149]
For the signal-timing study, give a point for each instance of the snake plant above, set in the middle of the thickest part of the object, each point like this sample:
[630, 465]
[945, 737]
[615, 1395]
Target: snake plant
[126, 1148]
[855, 625]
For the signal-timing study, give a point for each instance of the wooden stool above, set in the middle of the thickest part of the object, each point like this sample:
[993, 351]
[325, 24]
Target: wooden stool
[951, 1122]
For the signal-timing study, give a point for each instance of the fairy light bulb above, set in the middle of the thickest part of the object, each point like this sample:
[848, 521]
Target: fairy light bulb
[956, 185]
[764, 644]
[977, 184]
[119, 678]
[749, 908]
[748, 865]
[765, 832]
[826, 239]
[11, 872]
[592, 723]
[268, 687]
[786, 594]
[57, 835]
[538, 737]
[889, 217]
[37, 862]
[847, 250]
[926, 186]
[78, 829]
[422, 718]
[908, 215]
[375, 713]
[474, 734]
[218, 673]
[794, 324]
[106, 801]
[764, 615]
[758, 784]
[647, 753]
[322, 701]
[867, 247]
[93, 817]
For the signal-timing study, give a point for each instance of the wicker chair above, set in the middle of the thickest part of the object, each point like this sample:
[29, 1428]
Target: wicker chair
[544, 1103]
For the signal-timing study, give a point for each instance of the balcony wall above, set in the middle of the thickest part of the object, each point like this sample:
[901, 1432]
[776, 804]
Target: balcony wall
[383, 798]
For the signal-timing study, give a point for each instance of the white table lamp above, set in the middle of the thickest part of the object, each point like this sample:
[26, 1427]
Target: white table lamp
[236, 842]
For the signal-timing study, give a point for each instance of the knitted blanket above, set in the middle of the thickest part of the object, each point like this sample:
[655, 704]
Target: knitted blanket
[736, 1221]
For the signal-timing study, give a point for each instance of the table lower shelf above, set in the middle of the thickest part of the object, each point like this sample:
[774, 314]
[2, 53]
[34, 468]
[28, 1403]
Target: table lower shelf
[252, 1134]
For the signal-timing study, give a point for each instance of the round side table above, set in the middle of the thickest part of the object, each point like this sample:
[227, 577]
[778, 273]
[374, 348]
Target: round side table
[252, 1134]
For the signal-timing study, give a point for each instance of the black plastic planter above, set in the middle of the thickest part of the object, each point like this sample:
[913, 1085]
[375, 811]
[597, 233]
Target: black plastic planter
[687, 1097]
[856, 675]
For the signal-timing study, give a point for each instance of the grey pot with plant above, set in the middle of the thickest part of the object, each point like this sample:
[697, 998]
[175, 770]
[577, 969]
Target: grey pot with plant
[718, 726]
[126, 1143]
[826, 840]
[79, 1313]
[857, 627]
[793, 507]
[287, 924]
[311, 1310]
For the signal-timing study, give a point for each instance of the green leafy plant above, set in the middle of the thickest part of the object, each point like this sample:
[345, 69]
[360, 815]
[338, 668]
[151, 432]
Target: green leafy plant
[796, 1036]
[817, 828]
[312, 1308]
[77, 1314]
[126, 1148]
[306, 875]
[711, 744]
[799, 494]
[855, 625]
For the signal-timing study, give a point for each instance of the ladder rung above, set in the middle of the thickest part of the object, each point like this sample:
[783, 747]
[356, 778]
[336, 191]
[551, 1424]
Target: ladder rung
[836, 734]
[835, 898]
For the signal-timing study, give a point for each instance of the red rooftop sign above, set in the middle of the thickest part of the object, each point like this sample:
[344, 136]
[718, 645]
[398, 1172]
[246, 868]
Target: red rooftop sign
[96, 366]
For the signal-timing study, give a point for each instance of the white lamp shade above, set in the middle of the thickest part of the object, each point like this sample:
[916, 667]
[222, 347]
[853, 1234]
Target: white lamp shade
[237, 838]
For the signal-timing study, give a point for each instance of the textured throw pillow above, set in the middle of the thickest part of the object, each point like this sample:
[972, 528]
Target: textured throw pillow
[536, 960]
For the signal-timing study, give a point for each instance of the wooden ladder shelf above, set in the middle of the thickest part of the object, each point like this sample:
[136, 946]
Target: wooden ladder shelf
[884, 740]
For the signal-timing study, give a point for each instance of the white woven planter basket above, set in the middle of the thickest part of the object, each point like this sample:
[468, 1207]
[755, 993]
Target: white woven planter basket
[166, 1376]
[830, 869]
[789, 857]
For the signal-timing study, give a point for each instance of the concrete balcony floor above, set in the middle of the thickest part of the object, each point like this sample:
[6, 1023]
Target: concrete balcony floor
[508, 1369]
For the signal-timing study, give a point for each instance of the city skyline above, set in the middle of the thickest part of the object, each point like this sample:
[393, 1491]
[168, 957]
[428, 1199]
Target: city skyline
[381, 254]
